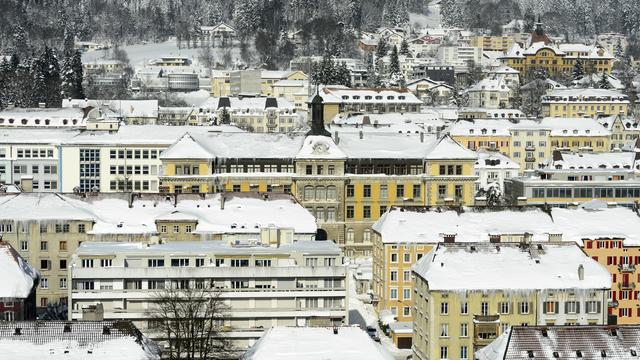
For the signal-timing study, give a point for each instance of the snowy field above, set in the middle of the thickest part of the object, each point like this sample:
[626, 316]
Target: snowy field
[140, 54]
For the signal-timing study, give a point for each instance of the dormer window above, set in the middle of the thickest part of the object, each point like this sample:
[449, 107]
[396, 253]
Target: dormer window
[378, 97]
[368, 97]
[401, 97]
[345, 97]
[390, 97]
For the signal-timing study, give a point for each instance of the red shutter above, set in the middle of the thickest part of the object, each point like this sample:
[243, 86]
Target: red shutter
[620, 312]
[589, 244]
[638, 312]
[613, 295]
[598, 244]
[615, 260]
[595, 258]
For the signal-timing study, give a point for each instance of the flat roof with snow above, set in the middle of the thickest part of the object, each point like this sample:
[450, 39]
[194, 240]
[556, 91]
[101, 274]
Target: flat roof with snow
[510, 267]
[289, 343]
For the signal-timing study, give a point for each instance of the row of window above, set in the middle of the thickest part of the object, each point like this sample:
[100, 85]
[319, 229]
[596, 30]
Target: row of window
[35, 169]
[524, 307]
[586, 192]
[255, 168]
[383, 191]
[34, 153]
[131, 170]
[138, 284]
[45, 264]
[44, 283]
[44, 228]
[134, 154]
[144, 185]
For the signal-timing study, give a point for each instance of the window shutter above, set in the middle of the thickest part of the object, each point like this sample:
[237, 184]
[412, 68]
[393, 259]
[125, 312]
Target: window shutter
[566, 307]
[578, 307]
[599, 306]
[557, 307]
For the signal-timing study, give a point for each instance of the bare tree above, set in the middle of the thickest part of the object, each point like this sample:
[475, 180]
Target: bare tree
[190, 319]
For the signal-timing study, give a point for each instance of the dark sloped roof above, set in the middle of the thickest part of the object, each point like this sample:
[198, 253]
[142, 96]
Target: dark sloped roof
[84, 332]
[614, 342]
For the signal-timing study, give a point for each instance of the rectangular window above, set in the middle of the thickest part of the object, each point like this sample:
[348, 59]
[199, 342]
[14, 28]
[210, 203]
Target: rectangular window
[366, 211]
[524, 307]
[417, 191]
[384, 192]
[399, 190]
[44, 283]
[394, 275]
[464, 330]
[550, 307]
[350, 212]
[406, 294]
[504, 307]
[444, 353]
[464, 308]
[383, 209]
[393, 294]
[464, 353]
[155, 262]
[62, 283]
[179, 262]
[366, 191]
[239, 262]
[444, 308]
[444, 330]
[350, 191]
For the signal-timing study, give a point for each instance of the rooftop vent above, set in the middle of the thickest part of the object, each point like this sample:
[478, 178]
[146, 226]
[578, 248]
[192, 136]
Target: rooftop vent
[17, 331]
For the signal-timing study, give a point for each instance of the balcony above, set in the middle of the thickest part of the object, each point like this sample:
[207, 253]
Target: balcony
[485, 329]
[626, 285]
[530, 148]
[626, 268]
[612, 303]
[530, 159]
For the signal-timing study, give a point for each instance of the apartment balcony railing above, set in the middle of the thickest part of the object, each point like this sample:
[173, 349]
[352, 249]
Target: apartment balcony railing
[626, 285]
[626, 268]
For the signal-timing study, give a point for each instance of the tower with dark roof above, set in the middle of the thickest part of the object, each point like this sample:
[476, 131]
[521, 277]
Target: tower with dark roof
[317, 116]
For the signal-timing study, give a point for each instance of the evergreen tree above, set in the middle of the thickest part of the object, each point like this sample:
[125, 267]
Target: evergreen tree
[402, 13]
[72, 77]
[373, 79]
[389, 13]
[382, 48]
[225, 117]
[404, 47]
[343, 75]
[604, 83]
[394, 63]
[578, 70]
[45, 71]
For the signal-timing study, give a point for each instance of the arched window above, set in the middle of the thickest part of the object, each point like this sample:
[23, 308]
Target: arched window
[308, 192]
[331, 192]
[321, 193]
[350, 235]
[366, 235]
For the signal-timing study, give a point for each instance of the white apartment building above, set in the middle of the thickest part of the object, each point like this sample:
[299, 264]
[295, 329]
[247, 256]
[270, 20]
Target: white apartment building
[32, 153]
[494, 167]
[459, 55]
[126, 160]
[298, 284]
[491, 93]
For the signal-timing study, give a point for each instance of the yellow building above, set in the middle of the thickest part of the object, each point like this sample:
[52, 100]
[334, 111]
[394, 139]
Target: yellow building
[621, 256]
[574, 103]
[556, 59]
[492, 43]
[466, 295]
[492, 135]
[227, 83]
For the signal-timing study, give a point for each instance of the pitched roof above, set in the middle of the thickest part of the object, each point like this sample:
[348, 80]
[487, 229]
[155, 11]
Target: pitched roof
[18, 277]
[186, 148]
[447, 148]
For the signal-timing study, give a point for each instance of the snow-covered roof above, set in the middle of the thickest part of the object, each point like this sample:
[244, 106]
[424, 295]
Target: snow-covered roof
[429, 119]
[186, 148]
[592, 51]
[242, 103]
[315, 343]
[18, 277]
[385, 146]
[320, 147]
[510, 267]
[629, 123]
[504, 69]
[146, 134]
[343, 95]
[447, 148]
[429, 227]
[564, 342]
[249, 145]
[103, 248]
[584, 95]
[111, 214]
[537, 46]
[80, 341]
[494, 160]
[43, 117]
[53, 136]
[291, 83]
[574, 225]
[490, 84]
[515, 51]
[574, 127]
[126, 108]
[594, 79]
[480, 127]
[590, 160]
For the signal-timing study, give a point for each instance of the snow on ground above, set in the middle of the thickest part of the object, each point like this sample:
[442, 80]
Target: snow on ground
[121, 349]
[430, 20]
[362, 313]
[140, 54]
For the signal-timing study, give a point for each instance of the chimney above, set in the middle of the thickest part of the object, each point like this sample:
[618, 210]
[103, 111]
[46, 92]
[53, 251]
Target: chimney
[336, 138]
[581, 272]
[26, 183]
[222, 200]
[335, 330]
[360, 134]
[11, 105]
[421, 137]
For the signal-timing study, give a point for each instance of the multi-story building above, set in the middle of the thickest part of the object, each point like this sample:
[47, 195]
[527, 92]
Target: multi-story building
[556, 60]
[437, 73]
[492, 135]
[493, 43]
[132, 112]
[613, 42]
[338, 100]
[264, 285]
[33, 154]
[576, 134]
[466, 295]
[459, 55]
[569, 103]
[347, 182]
[493, 168]
[530, 144]
[624, 130]
[491, 93]
[126, 160]
[46, 229]
[579, 177]
[256, 114]
[255, 82]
